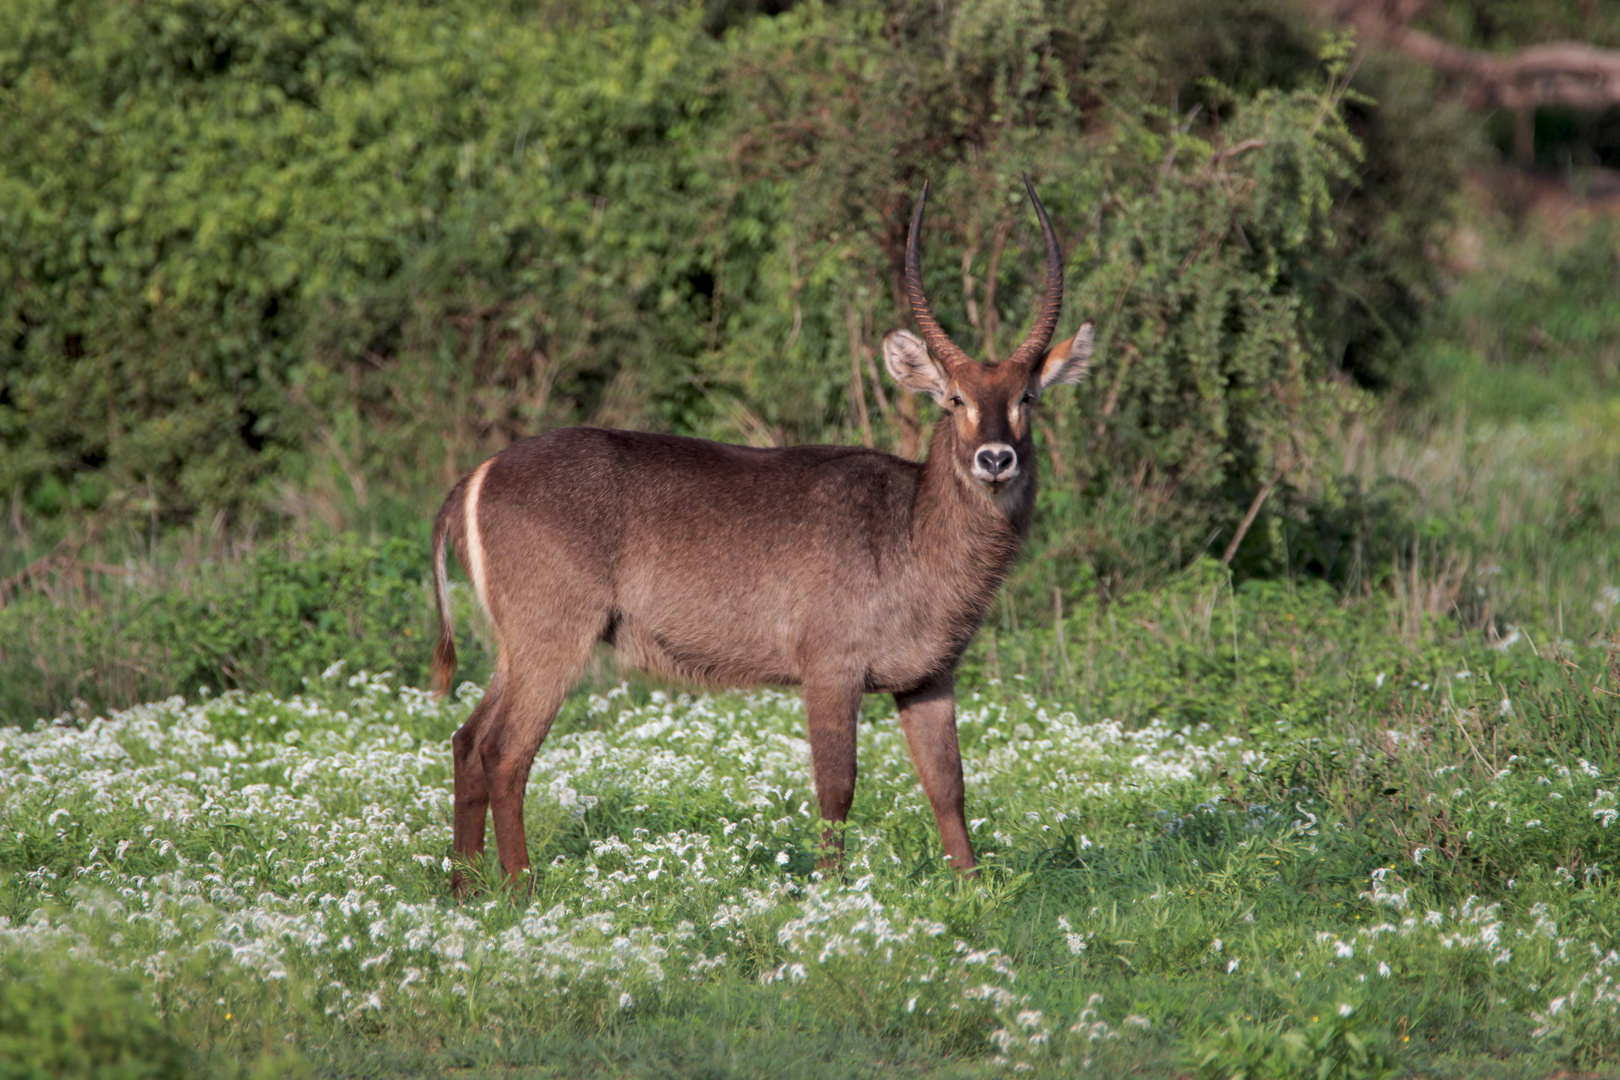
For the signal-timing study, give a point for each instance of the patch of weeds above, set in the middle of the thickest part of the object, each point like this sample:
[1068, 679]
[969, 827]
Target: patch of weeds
[1331, 1047]
[60, 1018]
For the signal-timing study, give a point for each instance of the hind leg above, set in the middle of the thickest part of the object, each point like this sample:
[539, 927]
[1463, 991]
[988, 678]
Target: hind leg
[472, 783]
[537, 681]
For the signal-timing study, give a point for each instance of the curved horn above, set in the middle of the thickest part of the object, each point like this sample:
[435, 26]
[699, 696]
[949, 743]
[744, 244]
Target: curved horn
[943, 348]
[1052, 303]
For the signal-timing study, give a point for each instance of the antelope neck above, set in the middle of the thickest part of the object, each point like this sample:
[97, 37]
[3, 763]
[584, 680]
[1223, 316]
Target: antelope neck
[972, 536]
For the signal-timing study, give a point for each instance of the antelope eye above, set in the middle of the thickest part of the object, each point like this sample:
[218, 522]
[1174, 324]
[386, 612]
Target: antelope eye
[956, 400]
[1026, 399]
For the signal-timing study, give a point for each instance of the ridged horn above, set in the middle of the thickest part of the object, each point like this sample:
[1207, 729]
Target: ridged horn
[1046, 321]
[943, 348]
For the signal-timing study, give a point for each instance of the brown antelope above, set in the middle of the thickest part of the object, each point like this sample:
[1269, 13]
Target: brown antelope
[843, 570]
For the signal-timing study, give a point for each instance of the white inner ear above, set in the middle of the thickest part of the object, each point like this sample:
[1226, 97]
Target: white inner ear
[908, 361]
[1071, 367]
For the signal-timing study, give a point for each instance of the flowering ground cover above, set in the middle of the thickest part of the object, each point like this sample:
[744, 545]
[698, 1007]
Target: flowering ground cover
[1421, 876]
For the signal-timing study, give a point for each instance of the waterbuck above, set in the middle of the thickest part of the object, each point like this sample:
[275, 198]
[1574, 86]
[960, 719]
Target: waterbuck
[842, 570]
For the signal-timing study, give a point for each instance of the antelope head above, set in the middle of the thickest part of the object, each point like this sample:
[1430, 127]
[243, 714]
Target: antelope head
[989, 406]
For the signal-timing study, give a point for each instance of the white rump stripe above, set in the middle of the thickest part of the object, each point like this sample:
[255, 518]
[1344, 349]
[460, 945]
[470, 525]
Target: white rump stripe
[475, 543]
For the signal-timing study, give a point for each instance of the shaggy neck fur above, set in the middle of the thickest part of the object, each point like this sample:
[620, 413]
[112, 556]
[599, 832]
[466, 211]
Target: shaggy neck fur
[968, 535]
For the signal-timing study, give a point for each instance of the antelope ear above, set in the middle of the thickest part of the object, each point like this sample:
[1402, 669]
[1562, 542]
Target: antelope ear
[908, 361]
[1069, 361]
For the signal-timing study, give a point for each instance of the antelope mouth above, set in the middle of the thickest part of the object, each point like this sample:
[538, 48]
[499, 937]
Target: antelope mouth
[1003, 486]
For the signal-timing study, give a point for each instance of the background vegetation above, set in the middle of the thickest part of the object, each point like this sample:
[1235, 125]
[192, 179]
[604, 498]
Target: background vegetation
[283, 273]
[257, 257]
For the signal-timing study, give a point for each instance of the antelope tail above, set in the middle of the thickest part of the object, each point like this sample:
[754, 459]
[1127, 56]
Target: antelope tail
[446, 527]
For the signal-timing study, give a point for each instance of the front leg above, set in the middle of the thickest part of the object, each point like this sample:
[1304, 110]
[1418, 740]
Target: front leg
[928, 716]
[830, 713]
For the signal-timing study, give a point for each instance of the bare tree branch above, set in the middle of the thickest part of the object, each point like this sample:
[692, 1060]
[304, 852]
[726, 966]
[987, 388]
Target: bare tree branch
[1571, 74]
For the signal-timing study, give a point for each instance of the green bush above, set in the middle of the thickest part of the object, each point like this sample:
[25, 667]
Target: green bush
[236, 237]
[315, 259]
[270, 623]
[81, 1020]
[1373, 285]
[1202, 252]
[1328, 1048]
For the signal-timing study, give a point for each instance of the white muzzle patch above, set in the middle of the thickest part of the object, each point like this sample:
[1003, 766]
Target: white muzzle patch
[995, 463]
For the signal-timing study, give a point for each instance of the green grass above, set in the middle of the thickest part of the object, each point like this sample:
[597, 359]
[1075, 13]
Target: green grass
[1313, 846]
[1532, 332]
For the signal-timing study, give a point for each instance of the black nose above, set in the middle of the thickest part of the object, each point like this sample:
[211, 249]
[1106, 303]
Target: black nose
[996, 461]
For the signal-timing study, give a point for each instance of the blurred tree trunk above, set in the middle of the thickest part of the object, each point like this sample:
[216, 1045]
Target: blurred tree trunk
[1571, 74]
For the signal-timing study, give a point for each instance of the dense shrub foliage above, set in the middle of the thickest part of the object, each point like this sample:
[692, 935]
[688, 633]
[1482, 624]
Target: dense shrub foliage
[269, 622]
[237, 235]
[315, 258]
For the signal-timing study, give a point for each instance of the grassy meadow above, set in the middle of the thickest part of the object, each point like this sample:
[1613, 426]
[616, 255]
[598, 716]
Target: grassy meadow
[1253, 830]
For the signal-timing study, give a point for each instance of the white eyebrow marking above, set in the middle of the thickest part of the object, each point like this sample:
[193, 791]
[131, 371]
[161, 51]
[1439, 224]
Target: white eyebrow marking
[972, 408]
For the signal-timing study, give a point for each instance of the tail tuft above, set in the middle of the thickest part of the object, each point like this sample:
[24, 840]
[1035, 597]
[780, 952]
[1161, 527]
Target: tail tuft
[444, 661]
